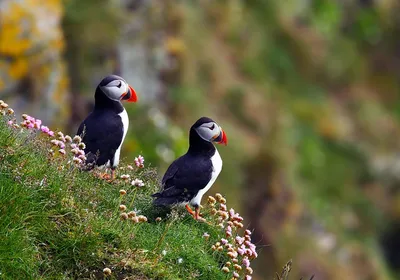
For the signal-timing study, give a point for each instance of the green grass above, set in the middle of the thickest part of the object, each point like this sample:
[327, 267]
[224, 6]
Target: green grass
[58, 222]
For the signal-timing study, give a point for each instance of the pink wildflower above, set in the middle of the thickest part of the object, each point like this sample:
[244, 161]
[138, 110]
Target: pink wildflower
[10, 123]
[206, 235]
[239, 240]
[61, 151]
[241, 251]
[50, 133]
[235, 275]
[61, 144]
[248, 277]
[228, 231]
[82, 157]
[139, 161]
[38, 123]
[224, 241]
[252, 247]
[246, 262]
[44, 129]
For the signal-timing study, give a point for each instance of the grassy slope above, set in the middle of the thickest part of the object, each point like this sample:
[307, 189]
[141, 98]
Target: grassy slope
[60, 223]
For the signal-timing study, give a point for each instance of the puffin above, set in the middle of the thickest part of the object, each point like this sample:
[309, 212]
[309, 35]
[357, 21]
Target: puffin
[104, 129]
[190, 176]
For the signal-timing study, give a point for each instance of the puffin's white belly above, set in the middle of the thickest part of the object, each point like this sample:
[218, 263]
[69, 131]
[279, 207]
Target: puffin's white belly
[125, 123]
[217, 167]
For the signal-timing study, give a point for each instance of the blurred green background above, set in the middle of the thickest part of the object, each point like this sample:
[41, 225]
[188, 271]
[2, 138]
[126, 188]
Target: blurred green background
[308, 92]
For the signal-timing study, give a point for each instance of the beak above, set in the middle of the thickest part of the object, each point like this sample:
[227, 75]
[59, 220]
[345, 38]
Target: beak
[221, 138]
[130, 95]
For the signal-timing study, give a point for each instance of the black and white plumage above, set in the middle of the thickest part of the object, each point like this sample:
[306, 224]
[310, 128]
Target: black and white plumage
[189, 177]
[104, 130]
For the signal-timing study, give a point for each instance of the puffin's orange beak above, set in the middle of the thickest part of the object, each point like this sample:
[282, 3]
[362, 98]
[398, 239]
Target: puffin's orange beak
[130, 95]
[221, 139]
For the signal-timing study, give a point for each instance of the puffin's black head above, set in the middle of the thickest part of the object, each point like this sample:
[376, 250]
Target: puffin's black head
[116, 88]
[210, 131]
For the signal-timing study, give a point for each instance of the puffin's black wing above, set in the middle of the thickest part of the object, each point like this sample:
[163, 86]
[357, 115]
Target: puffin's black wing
[183, 179]
[102, 134]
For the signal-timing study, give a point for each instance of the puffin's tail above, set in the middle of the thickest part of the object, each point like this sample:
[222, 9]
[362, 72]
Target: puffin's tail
[163, 201]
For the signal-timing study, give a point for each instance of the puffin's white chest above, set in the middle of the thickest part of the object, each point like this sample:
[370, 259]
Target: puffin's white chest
[217, 167]
[125, 123]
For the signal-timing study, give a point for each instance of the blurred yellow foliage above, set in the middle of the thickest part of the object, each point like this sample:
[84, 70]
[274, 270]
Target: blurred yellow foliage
[19, 68]
[175, 46]
[328, 128]
[31, 45]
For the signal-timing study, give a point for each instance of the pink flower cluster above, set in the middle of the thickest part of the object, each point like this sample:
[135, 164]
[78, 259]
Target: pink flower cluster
[79, 154]
[77, 147]
[32, 123]
[60, 141]
[139, 161]
[239, 249]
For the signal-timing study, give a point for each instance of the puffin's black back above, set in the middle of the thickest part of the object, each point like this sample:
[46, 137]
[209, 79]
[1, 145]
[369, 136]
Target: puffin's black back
[189, 173]
[102, 134]
[102, 131]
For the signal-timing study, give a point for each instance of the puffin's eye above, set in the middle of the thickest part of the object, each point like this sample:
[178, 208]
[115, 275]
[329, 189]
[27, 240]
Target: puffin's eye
[212, 127]
[120, 84]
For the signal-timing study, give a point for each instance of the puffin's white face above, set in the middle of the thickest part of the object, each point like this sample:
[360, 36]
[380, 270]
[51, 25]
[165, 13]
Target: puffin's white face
[211, 131]
[116, 89]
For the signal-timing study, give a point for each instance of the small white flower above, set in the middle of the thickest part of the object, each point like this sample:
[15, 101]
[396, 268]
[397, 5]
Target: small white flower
[77, 139]
[77, 160]
[180, 260]
[68, 139]
[137, 182]
[164, 252]
[107, 271]
[82, 146]
[82, 157]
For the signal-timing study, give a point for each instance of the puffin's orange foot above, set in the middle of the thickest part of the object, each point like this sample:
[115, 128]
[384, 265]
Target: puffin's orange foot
[197, 215]
[191, 212]
[104, 176]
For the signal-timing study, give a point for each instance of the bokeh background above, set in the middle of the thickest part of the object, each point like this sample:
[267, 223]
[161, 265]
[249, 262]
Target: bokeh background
[308, 92]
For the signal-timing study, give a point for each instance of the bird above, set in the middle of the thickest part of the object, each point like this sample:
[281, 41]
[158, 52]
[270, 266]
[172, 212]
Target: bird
[190, 176]
[104, 129]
